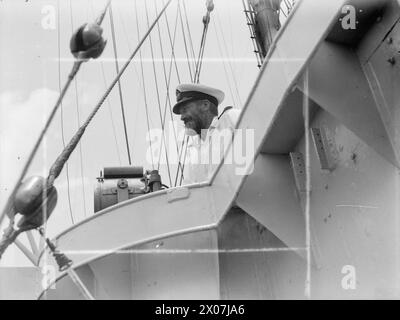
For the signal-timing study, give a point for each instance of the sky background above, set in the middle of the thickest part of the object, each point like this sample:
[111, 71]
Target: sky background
[35, 61]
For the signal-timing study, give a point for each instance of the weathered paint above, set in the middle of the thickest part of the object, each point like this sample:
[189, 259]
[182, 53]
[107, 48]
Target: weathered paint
[354, 217]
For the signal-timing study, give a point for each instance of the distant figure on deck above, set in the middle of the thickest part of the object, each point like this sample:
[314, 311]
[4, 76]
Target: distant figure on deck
[211, 133]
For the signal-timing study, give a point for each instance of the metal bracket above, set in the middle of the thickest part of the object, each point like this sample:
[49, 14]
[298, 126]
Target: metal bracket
[319, 140]
[122, 190]
[299, 170]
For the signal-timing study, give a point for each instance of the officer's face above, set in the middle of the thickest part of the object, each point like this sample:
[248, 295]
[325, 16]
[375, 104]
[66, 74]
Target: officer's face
[191, 115]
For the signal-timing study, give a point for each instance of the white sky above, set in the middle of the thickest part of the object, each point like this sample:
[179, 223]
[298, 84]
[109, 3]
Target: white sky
[29, 84]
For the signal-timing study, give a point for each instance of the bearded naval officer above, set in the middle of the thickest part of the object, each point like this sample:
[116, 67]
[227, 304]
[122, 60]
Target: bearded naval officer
[197, 105]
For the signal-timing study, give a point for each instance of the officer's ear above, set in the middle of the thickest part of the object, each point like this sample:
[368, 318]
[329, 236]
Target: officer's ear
[208, 106]
[211, 107]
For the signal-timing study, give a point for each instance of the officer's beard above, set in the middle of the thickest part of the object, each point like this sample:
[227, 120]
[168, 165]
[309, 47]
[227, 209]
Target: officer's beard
[190, 132]
[193, 127]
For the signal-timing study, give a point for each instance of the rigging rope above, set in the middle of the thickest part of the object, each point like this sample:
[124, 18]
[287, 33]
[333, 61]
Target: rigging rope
[172, 43]
[168, 79]
[9, 207]
[181, 166]
[227, 53]
[223, 64]
[190, 35]
[110, 112]
[201, 51]
[78, 121]
[136, 71]
[206, 22]
[62, 109]
[184, 160]
[226, 71]
[158, 99]
[173, 59]
[108, 101]
[144, 86]
[10, 233]
[185, 44]
[119, 85]
[59, 163]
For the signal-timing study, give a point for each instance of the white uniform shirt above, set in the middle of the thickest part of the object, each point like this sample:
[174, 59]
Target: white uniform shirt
[204, 156]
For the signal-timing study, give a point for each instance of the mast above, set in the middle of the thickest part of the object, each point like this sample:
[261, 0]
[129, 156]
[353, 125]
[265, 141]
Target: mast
[266, 22]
